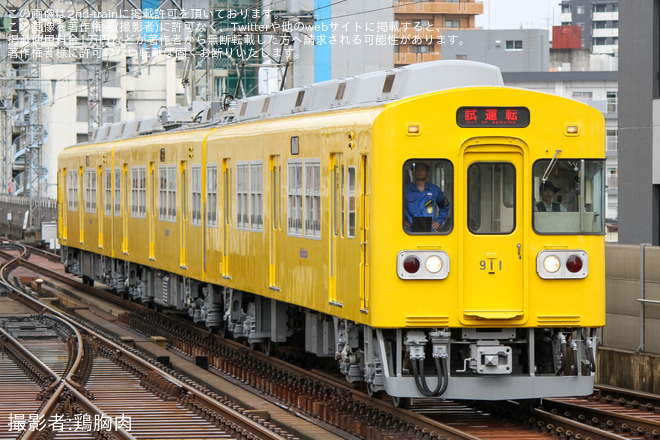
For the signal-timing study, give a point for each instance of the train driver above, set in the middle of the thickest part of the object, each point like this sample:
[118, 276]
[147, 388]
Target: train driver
[548, 191]
[426, 207]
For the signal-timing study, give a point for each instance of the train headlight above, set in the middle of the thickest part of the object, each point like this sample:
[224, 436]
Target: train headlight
[409, 265]
[562, 264]
[551, 263]
[433, 264]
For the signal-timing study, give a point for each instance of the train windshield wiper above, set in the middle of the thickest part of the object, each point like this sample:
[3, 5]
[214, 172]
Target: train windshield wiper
[551, 165]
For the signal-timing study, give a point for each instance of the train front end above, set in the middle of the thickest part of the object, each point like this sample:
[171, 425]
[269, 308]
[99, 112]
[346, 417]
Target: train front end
[486, 246]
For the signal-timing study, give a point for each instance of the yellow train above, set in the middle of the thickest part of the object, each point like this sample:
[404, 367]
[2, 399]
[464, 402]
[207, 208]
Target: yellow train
[436, 232]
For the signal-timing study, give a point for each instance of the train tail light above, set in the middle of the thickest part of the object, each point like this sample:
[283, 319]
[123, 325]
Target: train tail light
[560, 264]
[422, 265]
[574, 264]
[411, 264]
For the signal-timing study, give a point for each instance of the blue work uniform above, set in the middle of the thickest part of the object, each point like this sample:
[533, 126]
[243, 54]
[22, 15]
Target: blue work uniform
[428, 203]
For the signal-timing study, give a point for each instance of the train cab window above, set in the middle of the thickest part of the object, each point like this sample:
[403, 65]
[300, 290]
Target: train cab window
[427, 195]
[491, 198]
[569, 196]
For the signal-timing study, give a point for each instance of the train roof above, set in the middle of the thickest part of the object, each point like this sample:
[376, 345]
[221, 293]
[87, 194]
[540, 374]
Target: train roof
[370, 89]
[362, 90]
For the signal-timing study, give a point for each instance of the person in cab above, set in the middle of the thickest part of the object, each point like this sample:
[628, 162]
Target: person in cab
[548, 191]
[426, 207]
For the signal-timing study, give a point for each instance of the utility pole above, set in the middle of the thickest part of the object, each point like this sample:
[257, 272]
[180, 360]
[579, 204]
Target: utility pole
[6, 91]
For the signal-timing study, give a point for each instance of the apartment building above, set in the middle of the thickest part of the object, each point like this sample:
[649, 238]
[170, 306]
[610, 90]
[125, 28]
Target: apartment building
[599, 21]
[425, 27]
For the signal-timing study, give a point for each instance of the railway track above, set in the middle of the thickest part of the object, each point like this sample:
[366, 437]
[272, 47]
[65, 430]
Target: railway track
[85, 380]
[319, 396]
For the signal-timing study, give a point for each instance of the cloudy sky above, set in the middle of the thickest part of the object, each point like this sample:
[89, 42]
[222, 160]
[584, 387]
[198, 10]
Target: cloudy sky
[512, 14]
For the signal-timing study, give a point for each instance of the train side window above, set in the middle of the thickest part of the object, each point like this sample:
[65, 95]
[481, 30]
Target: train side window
[256, 196]
[212, 195]
[162, 192]
[343, 203]
[313, 198]
[294, 197]
[139, 192]
[117, 198]
[90, 190]
[73, 191]
[107, 178]
[134, 191]
[491, 196]
[196, 189]
[350, 226]
[171, 193]
[427, 196]
[242, 194]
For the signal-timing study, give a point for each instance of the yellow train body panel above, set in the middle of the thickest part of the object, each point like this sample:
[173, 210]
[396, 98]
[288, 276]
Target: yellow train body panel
[164, 237]
[271, 261]
[82, 223]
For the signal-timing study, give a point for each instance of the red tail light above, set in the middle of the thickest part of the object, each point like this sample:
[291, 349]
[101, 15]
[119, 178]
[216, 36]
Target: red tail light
[574, 264]
[411, 264]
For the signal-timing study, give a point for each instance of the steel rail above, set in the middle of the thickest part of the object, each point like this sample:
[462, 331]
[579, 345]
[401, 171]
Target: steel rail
[609, 419]
[231, 415]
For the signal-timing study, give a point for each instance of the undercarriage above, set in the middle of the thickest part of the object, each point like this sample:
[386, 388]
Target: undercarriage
[452, 363]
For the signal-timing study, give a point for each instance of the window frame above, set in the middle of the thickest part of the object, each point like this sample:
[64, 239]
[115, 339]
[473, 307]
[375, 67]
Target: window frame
[242, 195]
[582, 189]
[117, 192]
[312, 198]
[72, 187]
[89, 179]
[294, 212]
[139, 191]
[503, 203]
[196, 193]
[256, 208]
[212, 195]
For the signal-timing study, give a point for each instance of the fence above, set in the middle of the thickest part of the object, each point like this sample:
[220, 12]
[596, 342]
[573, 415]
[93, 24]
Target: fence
[633, 298]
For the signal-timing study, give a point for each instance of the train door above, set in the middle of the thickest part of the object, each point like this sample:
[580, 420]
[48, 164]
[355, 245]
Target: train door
[494, 234]
[152, 211]
[336, 223]
[364, 233]
[99, 205]
[124, 214]
[184, 213]
[63, 204]
[81, 205]
[275, 218]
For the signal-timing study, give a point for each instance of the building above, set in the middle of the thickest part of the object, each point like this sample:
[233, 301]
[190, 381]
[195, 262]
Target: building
[515, 50]
[639, 123]
[426, 28]
[62, 78]
[599, 21]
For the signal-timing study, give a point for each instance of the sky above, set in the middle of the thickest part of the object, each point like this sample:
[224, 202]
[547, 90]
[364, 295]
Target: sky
[512, 14]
